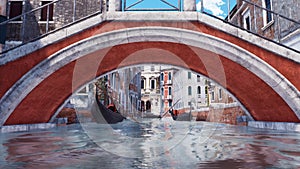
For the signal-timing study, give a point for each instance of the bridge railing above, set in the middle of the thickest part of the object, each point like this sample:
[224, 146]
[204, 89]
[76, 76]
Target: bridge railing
[38, 22]
[262, 21]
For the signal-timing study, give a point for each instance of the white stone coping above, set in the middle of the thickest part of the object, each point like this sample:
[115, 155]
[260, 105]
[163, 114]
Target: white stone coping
[149, 16]
[26, 127]
[224, 105]
[284, 126]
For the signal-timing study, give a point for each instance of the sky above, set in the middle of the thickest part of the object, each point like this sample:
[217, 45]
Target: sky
[218, 8]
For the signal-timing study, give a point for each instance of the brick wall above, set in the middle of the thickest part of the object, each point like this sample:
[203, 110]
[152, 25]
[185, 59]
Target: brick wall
[63, 12]
[227, 115]
[277, 29]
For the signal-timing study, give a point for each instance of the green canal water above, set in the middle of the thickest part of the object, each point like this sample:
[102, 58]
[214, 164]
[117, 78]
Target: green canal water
[150, 143]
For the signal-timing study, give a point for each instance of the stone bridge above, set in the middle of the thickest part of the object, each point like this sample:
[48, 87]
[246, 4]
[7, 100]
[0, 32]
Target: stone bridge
[38, 77]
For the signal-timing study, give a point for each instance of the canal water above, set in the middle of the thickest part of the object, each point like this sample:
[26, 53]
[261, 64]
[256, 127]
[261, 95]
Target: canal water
[151, 143]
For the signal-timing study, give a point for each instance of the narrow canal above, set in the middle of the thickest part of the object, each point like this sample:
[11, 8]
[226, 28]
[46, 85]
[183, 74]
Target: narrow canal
[151, 143]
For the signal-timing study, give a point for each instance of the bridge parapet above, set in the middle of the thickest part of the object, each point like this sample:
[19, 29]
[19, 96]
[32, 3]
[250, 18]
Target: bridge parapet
[50, 24]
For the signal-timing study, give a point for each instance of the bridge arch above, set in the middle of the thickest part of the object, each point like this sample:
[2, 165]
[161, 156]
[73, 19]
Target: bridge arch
[213, 50]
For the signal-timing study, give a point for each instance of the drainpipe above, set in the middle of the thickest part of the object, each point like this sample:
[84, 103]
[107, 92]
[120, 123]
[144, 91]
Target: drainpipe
[114, 5]
[189, 5]
[2, 19]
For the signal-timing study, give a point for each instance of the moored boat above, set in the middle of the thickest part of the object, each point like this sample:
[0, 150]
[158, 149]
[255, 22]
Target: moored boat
[180, 117]
[103, 115]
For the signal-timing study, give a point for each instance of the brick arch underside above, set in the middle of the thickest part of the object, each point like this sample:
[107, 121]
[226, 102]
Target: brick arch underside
[262, 102]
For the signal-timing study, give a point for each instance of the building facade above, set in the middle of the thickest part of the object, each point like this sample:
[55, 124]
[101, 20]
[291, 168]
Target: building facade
[204, 99]
[150, 89]
[124, 90]
[190, 90]
[275, 19]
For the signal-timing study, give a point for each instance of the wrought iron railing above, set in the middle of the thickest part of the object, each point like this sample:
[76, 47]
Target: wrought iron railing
[30, 25]
[276, 30]
[170, 6]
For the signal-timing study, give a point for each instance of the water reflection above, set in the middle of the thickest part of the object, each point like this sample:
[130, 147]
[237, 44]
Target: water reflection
[150, 144]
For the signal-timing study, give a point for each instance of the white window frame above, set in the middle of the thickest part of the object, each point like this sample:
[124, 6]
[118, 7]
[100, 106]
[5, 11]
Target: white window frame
[220, 94]
[265, 19]
[212, 96]
[21, 21]
[50, 21]
[246, 14]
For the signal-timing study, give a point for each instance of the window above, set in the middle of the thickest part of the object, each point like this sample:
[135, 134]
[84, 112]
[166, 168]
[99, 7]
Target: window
[152, 68]
[44, 12]
[15, 9]
[220, 94]
[198, 78]
[148, 105]
[189, 75]
[189, 90]
[170, 103]
[212, 95]
[169, 75]
[199, 90]
[162, 91]
[247, 20]
[152, 84]
[162, 77]
[170, 91]
[143, 84]
[267, 15]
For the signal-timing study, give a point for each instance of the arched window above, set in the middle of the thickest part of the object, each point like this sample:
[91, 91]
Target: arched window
[170, 76]
[170, 103]
[206, 90]
[199, 90]
[143, 83]
[170, 90]
[162, 77]
[152, 84]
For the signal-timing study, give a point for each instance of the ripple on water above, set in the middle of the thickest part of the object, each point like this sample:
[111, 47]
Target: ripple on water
[150, 144]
